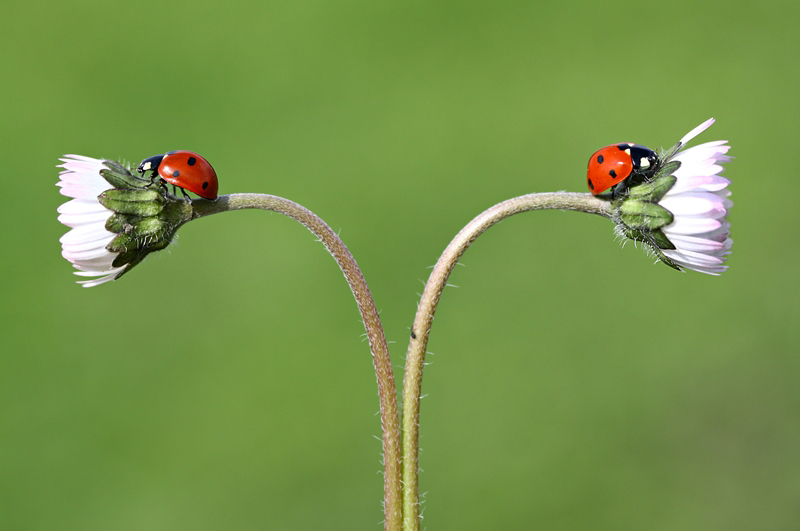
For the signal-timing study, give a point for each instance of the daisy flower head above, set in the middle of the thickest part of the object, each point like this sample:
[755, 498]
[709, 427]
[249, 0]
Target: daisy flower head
[116, 217]
[681, 213]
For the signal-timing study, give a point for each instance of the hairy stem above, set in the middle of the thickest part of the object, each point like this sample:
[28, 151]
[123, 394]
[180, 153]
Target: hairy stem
[369, 314]
[412, 383]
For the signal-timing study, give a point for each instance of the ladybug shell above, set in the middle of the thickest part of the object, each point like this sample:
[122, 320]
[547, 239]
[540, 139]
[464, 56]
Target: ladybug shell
[188, 170]
[609, 166]
[615, 163]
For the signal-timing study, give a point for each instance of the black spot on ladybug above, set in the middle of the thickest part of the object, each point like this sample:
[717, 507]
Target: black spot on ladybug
[205, 185]
[591, 187]
[413, 335]
[600, 159]
[623, 147]
[192, 161]
[176, 173]
[613, 173]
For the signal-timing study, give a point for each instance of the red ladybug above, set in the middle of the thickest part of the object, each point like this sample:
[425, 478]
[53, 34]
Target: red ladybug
[184, 169]
[620, 166]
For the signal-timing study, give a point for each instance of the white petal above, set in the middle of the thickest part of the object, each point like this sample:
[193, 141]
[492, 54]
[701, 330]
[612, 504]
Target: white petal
[708, 183]
[108, 271]
[714, 269]
[94, 264]
[86, 246]
[694, 258]
[703, 151]
[97, 281]
[88, 191]
[82, 206]
[697, 130]
[698, 166]
[720, 234]
[694, 204]
[713, 148]
[693, 243]
[711, 270]
[86, 233]
[73, 220]
[691, 225]
[80, 163]
[727, 203]
[69, 158]
[87, 254]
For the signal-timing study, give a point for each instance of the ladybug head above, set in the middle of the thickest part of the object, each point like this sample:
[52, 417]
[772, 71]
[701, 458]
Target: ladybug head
[150, 164]
[644, 159]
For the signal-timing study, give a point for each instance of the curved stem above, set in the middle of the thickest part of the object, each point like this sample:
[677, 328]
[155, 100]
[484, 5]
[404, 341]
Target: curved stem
[369, 314]
[415, 360]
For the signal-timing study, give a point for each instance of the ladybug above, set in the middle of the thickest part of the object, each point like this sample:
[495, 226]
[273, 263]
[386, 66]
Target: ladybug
[620, 166]
[184, 169]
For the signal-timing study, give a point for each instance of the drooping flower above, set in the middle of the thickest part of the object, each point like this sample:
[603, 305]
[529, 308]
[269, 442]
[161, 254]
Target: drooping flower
[117, 218]
[681, 212]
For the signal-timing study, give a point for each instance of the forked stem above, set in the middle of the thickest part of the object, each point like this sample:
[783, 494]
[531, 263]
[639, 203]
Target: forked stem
[372, 324]
[415, 361]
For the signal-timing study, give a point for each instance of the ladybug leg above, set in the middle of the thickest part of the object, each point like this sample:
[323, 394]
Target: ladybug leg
[155, 181]
[619, 189]
[175, 192]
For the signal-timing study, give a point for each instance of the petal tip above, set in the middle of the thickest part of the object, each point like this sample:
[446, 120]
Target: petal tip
[697, 130]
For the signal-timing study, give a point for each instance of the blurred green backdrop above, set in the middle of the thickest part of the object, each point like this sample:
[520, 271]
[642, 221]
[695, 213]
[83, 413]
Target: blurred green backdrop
[224, 384]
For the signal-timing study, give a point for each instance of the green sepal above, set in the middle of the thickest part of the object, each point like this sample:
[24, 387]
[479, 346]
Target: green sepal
[636, 214]
[122, 243]
[119, 223]
[151, 234]
[661, 240]
[667, 169]
[654, 190]
[126, 257]
[652, 240]
[119, 176]
[141, 236]
[134, 256]
[141, 202]
[668, 154]
[134, 225]
[132, 259]
[139, 195]
[664, 258]
[147, 226]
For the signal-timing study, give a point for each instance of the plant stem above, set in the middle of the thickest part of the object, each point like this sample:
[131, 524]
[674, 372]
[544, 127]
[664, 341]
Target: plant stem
[369, 314]
[415, 360]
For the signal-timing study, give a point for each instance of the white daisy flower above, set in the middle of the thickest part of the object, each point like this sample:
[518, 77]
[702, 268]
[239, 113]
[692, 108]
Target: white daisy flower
[85, 244]
[699, 203]
[680, 213]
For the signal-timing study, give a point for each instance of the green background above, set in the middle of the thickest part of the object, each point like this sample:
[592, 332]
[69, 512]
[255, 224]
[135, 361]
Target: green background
[224, 384]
